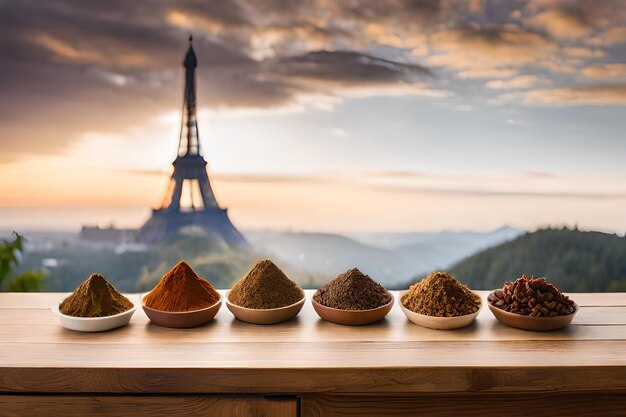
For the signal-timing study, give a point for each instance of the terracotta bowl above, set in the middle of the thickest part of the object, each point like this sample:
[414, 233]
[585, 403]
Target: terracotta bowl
[439, 323]
[532, 323]
[94, 324]
[265, 316]
[182, 319]
[352, 317]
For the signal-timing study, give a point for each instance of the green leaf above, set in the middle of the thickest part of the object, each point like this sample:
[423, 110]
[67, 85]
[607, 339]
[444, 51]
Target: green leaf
[9, 255]
[29, 281]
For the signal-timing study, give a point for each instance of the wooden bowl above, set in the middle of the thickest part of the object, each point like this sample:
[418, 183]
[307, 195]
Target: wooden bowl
[182, 319]
[439, 323]
[532, 323]
[265, 316]
[94, 324]
[352, 317]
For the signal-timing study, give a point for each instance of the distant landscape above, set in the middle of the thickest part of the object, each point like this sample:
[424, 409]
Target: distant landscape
[576, 260]
[400, 137]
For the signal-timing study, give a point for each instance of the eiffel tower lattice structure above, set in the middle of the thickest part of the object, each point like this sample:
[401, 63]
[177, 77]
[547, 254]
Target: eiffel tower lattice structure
[189, 182]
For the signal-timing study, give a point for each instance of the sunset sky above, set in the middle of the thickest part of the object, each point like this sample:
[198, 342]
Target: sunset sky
[390, 115]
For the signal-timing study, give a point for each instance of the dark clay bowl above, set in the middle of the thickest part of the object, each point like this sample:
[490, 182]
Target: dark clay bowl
[532, 323]
[352, 317]
[183, 319]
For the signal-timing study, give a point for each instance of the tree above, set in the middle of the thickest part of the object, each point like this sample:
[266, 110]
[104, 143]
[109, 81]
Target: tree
[10, 255]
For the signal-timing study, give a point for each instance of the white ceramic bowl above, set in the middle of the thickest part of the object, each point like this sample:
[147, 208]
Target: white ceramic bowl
[94, 324]
[438, 323]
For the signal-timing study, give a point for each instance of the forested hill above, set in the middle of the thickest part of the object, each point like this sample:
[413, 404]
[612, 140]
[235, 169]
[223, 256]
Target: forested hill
[574, 260]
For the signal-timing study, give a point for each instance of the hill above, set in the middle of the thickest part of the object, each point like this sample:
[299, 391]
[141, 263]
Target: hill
[390, 258]
[67, 260]
[309, 258]
[326, 254]
[575, 260]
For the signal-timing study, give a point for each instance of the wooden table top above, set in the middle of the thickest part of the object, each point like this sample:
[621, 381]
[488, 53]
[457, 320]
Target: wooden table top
[307, 354]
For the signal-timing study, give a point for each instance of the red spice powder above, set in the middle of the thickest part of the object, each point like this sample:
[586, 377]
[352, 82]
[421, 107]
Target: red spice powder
[181, 289]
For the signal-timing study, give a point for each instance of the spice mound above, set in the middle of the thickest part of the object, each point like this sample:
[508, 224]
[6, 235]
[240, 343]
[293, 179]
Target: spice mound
[265, 287]
[352, 290]
[535, 297]
[95, 297]
[441, 295]
[181, 289]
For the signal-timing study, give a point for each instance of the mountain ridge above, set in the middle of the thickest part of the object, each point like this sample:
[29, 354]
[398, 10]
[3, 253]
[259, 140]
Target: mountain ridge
[575, 260]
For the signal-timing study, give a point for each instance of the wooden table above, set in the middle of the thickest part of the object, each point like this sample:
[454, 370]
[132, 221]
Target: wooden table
[312, 368]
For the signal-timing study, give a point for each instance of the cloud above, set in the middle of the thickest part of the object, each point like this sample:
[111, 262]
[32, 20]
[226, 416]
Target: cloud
[416, 182]
[338, 132]
[516, 122]
[541, 174]
[75, 67]
[92, 66]
[504, 193]
[488, 48]
[605, 71]
[571, 20]
[522, 81]
[348, 68]
[487, 73]
[560, 66]
[610, 37]
[563, 23]
[596, 95]
[577, 52]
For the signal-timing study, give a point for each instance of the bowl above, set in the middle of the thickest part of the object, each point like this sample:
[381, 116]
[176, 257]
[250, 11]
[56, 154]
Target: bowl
[265, 316]
[532, 323]
[93, 324]
[182, 319]
[439, 323]
[352, 317]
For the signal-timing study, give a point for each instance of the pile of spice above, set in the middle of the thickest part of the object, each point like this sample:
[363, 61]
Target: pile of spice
[181, 289]
[95, 297]
[352, 290]
[441, 295]
[265, 287]
[535, 297]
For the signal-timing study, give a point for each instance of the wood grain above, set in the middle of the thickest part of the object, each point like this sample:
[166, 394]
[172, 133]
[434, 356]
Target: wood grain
[313, 380]
[547, 405]
[309, 355]
[147, 406]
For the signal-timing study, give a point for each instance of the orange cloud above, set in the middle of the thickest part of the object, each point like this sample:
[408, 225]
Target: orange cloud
[86, 54]
[606, 71]
[583, 52]
[523, 81]
[489, 48]
[595, 95]
[561, 24]
[560, 66]
[610, 37]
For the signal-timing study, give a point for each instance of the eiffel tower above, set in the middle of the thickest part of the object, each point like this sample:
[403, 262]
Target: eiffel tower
[189, 181]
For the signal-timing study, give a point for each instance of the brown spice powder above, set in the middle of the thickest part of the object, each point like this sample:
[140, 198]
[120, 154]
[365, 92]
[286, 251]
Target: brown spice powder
[181, 289]
[265, 287]
[95, 297]
[352, 290]
[441, 295]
